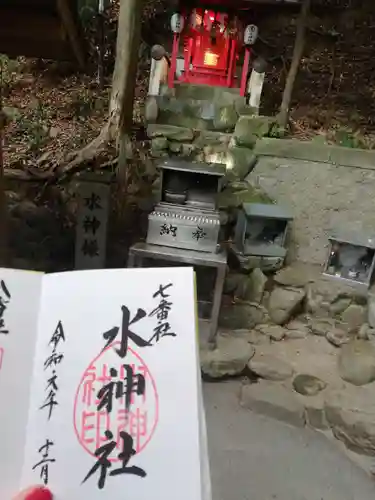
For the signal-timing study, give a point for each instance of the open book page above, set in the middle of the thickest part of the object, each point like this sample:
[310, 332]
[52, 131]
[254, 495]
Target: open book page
[114, 411]
[205, 463]
[19, 307]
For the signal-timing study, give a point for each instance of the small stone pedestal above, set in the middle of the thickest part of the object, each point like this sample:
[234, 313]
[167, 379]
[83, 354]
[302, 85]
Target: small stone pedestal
[141, 251]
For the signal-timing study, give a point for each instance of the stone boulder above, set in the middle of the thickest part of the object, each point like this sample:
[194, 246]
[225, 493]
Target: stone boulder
[209, 138]
[170, 132]
[225, 118]
[269, 367]
[274, 332]
[356, 362]
[242, 315]
[351, 416]
[239, 192]
[354, 317]
[320, 326]
[255, 286]
[366, 333]
[339, 305]
[250, 128]
[337, 337]
[240, 162]
[308, 385]
[251, 336]
[283, 303]
[297, 276]
[235, 283]
[159, 143]
[266, 264]
[296, 330]
[229, 358]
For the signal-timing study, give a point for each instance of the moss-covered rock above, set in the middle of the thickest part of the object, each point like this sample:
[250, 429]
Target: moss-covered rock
[240, 162]
[225, 118]
[242, 192]
[170, 132]
[243, 109]
[175, 147]
[250, 128]
[159, 143]
[210, 138]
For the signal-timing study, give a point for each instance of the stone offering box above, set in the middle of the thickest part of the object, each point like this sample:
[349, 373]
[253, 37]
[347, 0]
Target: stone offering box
[186, 216]
[261, 230]
[184, 229]
[351, 259]
[193, 185]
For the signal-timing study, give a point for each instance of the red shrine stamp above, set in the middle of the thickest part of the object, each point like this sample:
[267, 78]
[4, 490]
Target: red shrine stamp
[128, 409]
[1, 357]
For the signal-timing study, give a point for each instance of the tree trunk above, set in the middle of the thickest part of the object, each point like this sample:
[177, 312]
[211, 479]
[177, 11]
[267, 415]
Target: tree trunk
[123, 84]
[296, 59]
[132, 35]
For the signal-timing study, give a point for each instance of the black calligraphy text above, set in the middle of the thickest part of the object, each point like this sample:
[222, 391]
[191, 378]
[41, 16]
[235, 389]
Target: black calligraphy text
[93, 202]
[125, 332]
[51, 363]
[4, 301]
[44, 461]
[161, 311]
[168, 229]
[90, 247]
[103, 464]
[199, 233]
[132, 383]
[91, 224]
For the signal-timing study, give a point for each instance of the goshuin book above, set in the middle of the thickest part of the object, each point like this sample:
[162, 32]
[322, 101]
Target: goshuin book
[100, 385]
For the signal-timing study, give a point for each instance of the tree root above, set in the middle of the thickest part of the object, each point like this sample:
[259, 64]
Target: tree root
[120, 107]
[87, 153]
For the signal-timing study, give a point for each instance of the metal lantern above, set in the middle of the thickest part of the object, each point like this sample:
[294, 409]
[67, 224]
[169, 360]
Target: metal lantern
[251, 34]
[177, 23]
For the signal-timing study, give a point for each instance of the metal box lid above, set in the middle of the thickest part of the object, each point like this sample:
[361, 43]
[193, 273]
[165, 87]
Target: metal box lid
[217, 169]
[355, 238]
[266, 211]
[189, 216]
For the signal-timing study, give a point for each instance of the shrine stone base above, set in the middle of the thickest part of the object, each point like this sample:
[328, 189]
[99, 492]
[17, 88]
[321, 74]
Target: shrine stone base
[207, 124]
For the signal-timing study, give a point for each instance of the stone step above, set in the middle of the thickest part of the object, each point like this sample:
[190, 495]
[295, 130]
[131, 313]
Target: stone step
[205, 92]
[199, 114]
[273, 400]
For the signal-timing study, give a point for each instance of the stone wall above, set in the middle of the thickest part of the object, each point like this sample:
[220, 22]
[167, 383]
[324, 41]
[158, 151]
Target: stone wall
[328, 188]
[206, 124]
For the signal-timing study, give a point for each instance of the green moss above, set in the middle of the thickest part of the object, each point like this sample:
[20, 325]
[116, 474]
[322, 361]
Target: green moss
[233, 198]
